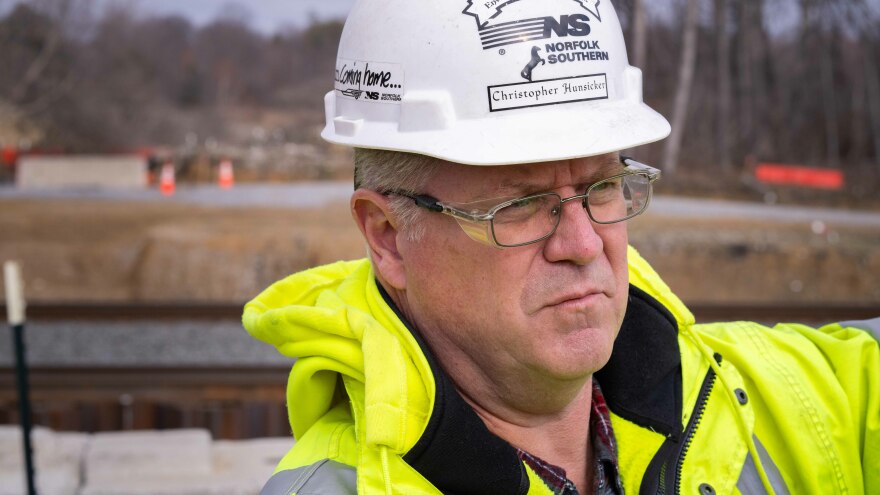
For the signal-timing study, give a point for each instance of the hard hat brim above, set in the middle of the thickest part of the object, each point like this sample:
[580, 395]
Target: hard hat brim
[565, 132]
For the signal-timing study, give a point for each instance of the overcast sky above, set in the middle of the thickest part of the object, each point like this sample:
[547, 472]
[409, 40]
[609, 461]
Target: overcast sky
[270, 15]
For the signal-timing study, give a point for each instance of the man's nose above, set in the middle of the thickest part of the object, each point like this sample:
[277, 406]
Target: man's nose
[576, 239]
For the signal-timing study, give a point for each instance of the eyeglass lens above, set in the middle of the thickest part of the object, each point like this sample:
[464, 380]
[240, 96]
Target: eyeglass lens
[533, 218]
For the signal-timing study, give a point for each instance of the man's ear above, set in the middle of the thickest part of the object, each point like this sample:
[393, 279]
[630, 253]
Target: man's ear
[373, 216]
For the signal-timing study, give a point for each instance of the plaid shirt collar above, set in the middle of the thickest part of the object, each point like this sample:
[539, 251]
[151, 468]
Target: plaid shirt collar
[606, 472]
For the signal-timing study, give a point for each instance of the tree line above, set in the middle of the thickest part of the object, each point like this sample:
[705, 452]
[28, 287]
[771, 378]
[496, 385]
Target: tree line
[736, 86]
[122, 80]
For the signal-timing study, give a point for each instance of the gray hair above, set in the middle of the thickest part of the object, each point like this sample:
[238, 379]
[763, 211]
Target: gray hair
[388, 171]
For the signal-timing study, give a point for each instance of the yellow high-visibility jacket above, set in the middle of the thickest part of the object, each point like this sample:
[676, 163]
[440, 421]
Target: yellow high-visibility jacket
[697, 409]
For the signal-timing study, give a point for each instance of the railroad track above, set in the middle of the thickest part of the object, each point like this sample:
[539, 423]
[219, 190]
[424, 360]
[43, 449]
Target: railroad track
[232, 401]
[204, 312]
[134, 312]
[805, 313]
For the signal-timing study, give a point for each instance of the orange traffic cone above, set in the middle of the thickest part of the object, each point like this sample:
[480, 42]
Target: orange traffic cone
[226, 178]
[166, 179]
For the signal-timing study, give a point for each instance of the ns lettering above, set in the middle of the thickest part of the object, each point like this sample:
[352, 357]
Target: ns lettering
[567, 25]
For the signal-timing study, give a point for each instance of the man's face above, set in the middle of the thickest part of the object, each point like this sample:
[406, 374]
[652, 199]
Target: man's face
[552, 308]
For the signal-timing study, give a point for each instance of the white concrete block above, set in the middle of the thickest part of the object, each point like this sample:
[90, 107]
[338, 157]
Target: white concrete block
[63, 480]
[58, 459]
[81, 171]
[202, 485]
[50, 448]
[249, 462]
[173, 462]
[68, 447]
[261, 454]
[148, 454]
[238, 468]
[10, 447]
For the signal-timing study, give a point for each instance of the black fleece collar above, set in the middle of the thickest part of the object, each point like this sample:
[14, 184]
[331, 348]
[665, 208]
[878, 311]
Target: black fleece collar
[642, 380]
[641, 383]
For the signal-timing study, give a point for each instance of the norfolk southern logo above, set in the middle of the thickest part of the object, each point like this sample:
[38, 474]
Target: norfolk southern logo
[352, 93]
[536, 59]
[494, 32]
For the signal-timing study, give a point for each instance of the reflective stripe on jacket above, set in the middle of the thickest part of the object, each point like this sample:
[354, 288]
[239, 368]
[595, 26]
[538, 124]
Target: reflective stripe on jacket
[712, 408]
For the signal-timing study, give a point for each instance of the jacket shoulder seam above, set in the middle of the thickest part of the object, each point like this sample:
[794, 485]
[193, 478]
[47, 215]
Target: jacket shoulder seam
[324, 476]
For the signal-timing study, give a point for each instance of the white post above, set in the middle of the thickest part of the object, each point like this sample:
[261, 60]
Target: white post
[15, 312]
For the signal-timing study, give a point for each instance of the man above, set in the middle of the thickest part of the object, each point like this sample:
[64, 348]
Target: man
[503, 338]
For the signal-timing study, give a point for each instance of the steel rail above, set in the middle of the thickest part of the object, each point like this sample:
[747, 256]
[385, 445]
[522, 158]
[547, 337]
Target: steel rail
[91, 311]
[704, 312]
[103, 379]
[792, 313]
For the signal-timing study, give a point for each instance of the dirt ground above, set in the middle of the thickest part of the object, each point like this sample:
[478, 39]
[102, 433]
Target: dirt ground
[78, 250]
[110, 251]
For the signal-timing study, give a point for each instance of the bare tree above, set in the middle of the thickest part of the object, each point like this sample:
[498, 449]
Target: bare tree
[33, 44]
[686, 69]
[39, 64]
[127, 79]
[745, 77]
[829, 101]
[872, 80]
[232, 55]
[640, 34]
[860, 14]
[723, 96]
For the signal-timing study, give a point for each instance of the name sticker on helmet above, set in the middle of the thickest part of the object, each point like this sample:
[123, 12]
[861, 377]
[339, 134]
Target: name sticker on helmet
[369, 81]
[548, 92]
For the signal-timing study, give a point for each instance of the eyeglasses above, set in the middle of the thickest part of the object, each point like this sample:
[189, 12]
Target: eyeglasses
[531, 219]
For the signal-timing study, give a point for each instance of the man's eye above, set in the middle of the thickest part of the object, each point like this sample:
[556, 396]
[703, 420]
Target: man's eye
[523, 203]
[608, 185]
[521, 209]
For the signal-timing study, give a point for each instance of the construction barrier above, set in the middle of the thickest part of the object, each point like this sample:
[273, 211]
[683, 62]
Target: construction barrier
[796, 175]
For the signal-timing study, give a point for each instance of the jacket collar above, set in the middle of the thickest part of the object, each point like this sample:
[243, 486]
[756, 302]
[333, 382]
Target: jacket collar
[642, 380]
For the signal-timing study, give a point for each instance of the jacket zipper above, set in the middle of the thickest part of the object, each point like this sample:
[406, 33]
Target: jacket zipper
[694, 422]
[663, 476]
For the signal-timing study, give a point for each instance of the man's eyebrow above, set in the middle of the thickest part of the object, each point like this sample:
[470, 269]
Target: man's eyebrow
[518, 188]
[609, 167]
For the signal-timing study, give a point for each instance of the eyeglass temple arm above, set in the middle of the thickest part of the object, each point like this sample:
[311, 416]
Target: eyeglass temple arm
[652, 172]
[426, 202]
[433, 204]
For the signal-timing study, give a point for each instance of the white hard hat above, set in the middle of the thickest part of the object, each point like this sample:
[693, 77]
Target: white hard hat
[494, 82]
